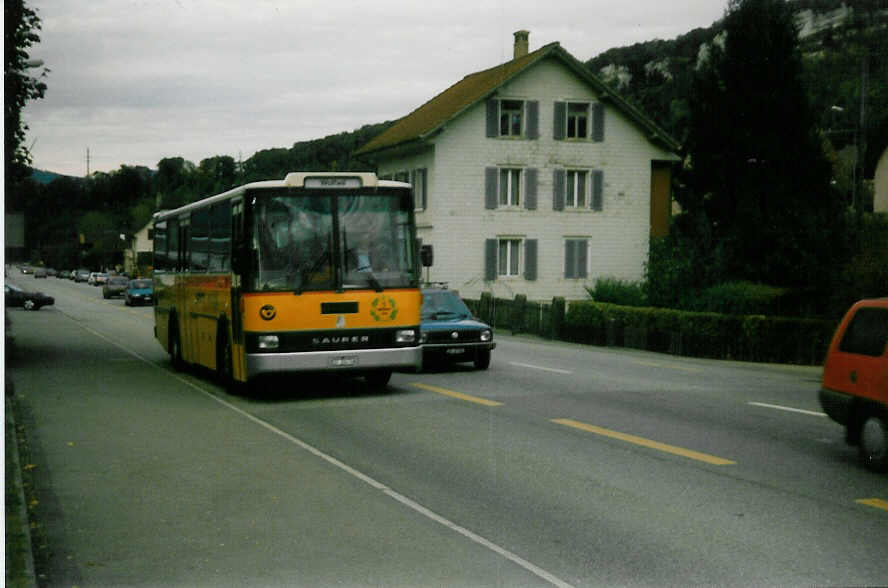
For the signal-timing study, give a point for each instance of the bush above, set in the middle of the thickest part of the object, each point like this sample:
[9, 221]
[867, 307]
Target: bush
[617, 291]
[738, 298]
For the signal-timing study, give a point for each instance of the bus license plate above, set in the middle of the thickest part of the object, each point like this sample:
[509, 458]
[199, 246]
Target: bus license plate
[344, 361]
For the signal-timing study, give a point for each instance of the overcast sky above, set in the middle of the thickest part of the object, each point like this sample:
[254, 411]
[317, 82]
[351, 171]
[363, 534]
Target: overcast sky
[135, 81]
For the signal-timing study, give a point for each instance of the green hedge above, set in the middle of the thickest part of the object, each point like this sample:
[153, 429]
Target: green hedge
[751, 337]
[700, 334]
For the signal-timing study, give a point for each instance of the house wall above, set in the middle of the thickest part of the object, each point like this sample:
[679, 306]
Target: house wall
[880, 184]
[457, 223]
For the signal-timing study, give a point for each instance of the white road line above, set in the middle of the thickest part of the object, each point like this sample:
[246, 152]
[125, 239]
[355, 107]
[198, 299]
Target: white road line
[788, 409]
[514, 558]
[539, 367]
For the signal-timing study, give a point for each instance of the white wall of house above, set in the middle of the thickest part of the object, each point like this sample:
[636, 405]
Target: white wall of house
[457, 223]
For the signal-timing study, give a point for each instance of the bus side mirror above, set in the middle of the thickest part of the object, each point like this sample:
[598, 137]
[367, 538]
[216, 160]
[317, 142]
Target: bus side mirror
[426, 255]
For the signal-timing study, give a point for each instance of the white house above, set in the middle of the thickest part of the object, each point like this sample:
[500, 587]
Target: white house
[532, 177]
[137, 257]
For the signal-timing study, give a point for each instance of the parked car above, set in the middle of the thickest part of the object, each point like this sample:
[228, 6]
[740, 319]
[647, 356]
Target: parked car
[140, 291]
[40, 272]
[97, 278]
[450, 333]
[114, 286]
[854, 392]
[15, 296]
[81, 275]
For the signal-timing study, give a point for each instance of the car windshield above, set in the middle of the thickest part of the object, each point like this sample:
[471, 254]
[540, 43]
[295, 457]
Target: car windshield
[119, 281]
[443, 305]
[140, 284]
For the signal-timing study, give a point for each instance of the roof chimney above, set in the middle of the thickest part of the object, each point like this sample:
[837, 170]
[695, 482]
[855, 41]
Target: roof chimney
[521, 43]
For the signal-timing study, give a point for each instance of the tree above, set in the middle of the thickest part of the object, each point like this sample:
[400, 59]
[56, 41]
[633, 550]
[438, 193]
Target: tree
[21, 24]
[758, 189]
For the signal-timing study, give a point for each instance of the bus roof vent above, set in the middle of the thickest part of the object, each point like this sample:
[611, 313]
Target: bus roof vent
[331, 180]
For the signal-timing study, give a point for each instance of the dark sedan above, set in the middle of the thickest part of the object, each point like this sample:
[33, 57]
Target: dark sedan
[15, 296]
[115, 286]
[450, 332]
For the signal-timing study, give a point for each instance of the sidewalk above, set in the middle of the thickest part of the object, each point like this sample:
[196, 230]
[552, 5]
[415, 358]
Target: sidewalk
[19, 557]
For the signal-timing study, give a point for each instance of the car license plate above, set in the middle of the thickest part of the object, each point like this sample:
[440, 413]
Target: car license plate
[344, 361]
[455, 351]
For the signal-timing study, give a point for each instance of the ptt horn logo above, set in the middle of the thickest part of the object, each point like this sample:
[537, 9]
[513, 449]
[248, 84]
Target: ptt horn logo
[383, 309]
[267, 312]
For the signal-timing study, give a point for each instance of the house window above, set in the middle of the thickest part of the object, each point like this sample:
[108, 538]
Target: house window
[570, 189]
[420, 189]
[575, 189]
[577, 120]
[509, 187]
[575, 257]
[511, 117]
[508, 257]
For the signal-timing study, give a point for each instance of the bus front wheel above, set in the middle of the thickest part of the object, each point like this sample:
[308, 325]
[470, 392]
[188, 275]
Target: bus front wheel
[379, 379]
[224, 359]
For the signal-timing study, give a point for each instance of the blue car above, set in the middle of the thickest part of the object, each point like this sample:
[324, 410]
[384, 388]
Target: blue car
[139, 291]
[449, 331]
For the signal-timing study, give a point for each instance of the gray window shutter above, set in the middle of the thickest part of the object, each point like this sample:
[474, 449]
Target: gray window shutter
[530, 259]
[582, 254]
[490, 259]
[570, 259]
[597, 189]
[425, 187]
[558, 180]
[490, 178]
[598, 122]
[533, 119]
[560, 119]
[530, 192]
[492, 118]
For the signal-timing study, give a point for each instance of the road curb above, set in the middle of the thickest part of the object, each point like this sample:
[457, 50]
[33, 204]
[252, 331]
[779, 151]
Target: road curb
[19, 569]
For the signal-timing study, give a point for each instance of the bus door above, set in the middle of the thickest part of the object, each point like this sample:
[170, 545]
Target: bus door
[183, 278]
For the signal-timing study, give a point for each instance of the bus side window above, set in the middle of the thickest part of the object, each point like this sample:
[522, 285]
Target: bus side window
[220, 237]
[200, 239]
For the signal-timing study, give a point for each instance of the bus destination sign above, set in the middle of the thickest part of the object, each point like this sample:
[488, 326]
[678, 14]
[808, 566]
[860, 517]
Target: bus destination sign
[333, 182]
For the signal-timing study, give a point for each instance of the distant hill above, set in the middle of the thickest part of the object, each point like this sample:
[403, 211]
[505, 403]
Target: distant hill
[835, 37]
[45, 177]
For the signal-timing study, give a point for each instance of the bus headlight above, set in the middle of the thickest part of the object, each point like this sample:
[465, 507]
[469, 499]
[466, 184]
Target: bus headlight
[486, 335]
[268, 342]
[405, 336]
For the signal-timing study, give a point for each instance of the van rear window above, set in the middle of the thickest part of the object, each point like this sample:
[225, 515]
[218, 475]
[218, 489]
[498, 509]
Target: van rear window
[867, 334]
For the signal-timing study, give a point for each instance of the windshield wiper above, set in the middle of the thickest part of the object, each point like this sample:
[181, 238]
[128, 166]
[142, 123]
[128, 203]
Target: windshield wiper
[307, 270]
[371, 279]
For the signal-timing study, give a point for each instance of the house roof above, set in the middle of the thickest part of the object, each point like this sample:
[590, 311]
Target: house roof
[449, 104]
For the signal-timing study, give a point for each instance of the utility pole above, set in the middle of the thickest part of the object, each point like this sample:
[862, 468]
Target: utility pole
[87, 162]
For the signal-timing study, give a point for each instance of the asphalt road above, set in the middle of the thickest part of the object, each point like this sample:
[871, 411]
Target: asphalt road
[561, 464]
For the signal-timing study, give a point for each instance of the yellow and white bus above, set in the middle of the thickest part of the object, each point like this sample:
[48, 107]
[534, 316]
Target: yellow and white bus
[315, 272]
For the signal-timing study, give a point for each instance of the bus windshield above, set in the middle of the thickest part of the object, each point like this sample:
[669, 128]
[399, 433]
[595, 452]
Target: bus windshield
[319, 241]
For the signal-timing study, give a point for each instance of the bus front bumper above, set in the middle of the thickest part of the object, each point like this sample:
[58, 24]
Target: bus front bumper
[356, 360]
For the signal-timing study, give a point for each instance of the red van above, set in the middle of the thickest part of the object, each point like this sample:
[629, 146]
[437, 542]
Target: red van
[855, 380]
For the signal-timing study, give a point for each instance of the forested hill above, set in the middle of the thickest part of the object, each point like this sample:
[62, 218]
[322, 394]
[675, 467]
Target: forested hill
[844, 43]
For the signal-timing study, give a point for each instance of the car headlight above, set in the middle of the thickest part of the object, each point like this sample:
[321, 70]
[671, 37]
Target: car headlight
[268, 342]
[486, 335]
[405, 336]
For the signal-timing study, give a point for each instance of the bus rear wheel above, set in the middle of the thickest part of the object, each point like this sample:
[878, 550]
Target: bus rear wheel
[175, 346]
